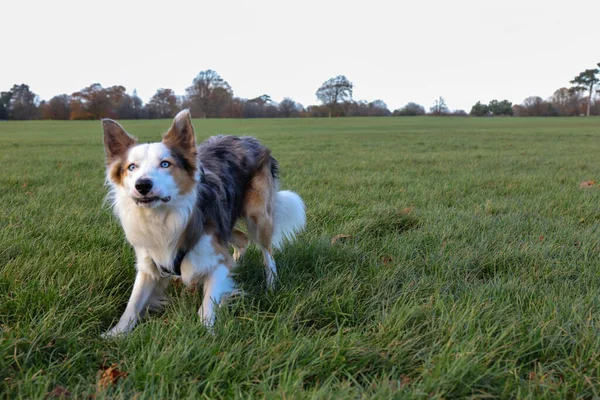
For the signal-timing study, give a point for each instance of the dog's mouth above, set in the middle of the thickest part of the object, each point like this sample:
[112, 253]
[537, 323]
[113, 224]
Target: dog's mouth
[151, 200]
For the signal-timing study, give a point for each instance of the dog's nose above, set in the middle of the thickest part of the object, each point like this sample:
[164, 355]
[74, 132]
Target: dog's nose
[144, 186]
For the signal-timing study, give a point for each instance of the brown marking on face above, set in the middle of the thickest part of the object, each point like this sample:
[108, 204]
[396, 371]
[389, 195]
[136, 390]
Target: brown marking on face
[117, 143]
[185, 180]
[118, 171]
[181, 141]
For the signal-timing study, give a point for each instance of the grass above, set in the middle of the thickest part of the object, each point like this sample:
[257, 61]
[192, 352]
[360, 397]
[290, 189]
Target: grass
[472, 268]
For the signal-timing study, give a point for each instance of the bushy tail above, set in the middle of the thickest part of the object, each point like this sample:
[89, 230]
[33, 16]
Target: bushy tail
[289, 217]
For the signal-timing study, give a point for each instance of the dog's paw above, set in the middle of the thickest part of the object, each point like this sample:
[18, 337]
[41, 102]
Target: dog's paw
[114, 333]
[207, 316]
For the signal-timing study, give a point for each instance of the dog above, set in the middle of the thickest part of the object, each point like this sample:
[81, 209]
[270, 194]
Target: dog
[178, 204]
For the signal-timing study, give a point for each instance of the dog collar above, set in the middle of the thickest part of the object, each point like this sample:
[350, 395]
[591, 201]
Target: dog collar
[176, 270]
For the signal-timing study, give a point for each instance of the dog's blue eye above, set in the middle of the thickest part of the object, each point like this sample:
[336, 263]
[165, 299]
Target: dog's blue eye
[165, 164]
[131, 167]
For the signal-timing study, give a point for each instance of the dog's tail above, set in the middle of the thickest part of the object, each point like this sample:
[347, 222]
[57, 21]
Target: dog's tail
[289, 217]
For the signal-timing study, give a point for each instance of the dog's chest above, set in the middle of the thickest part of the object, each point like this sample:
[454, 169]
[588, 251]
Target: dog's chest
[157, 232]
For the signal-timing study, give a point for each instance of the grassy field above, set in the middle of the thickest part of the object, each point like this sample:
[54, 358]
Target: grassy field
[472, 268]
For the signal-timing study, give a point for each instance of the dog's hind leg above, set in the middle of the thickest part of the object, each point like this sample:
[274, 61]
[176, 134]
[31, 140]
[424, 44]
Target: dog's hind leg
[258, 210]
[239, 241]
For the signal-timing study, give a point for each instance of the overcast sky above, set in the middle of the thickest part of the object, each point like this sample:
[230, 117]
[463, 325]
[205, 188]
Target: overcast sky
[396, 51]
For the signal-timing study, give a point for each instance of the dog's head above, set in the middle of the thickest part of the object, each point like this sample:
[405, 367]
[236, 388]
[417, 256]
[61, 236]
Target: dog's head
[152, 174]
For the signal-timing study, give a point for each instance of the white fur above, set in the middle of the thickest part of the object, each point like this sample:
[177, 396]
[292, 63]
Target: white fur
[289, 217]
[143, 289]
[270, 268]
[216, 284]
[202, 260]
[146, 159]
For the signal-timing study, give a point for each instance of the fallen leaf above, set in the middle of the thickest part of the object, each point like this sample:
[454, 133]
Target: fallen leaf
[28, 193]
[407, 210]
[386, 260]
[59, 392]
[585, 184]
[24, 185]
[340, 237]
[50, 344]
[541, 238]
[110, 376]
[404, 380]
[532, 376]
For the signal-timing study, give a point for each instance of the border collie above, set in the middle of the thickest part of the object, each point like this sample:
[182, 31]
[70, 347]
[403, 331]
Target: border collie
[178, 204]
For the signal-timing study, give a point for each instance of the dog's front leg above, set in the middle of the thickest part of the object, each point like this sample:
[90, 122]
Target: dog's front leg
[143, 288]
[217, 284]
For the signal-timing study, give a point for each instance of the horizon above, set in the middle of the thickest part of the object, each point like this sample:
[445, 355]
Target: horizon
[511, 53]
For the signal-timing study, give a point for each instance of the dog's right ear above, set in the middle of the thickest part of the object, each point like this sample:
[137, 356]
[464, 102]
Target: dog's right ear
[181, 134]
[116, 140]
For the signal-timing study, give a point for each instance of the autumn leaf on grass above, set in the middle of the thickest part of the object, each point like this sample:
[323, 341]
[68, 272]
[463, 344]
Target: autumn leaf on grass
[387, 260]
[404, 380]
[341, 237]
[586, 184]
[59, 392]
[110, 376]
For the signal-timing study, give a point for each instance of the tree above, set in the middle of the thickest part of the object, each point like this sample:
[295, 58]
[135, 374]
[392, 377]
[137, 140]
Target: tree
[4, 105]
[163, 104]
[535, 106]
[91, 102]
[333, 91]
[566, 102]
[439, 107]
[56, 108]
[378, 108]
[410, 110]
[480, 110]
[23, 103]
[503, 107]
[289, 108]
[208, 94]
[585, 81]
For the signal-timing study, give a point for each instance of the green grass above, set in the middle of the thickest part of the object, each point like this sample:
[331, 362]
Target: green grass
[472, 270]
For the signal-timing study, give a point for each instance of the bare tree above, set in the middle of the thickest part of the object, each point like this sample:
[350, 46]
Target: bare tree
[208, 94]
[335, 90]
[439, 107]
[535, 106]
[566, 102]
[289, 108]
[163, 104]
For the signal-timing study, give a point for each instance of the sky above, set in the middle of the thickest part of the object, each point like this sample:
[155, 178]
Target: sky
[396, 51]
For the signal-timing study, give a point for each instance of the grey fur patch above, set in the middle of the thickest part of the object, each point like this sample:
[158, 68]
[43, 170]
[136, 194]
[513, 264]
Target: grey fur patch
[228, 164]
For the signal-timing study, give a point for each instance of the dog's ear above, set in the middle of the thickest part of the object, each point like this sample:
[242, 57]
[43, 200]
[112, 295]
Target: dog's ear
[181, 134]
[116, 140]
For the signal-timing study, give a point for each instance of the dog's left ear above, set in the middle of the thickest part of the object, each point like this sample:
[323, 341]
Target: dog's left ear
[181, 134]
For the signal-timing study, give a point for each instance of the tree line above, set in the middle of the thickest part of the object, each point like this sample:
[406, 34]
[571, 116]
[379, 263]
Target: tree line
[210, 96]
